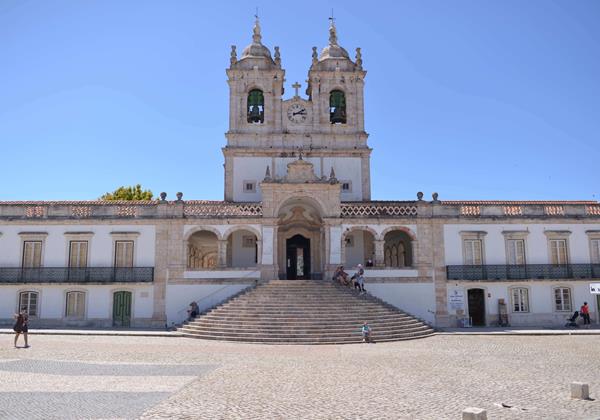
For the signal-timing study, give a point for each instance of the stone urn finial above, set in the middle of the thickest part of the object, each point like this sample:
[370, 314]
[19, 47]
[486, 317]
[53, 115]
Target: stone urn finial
[268, 174]
[315, 56]
[277, 57]
[435, 197]
[179, 195]
[163, 196]
[420, 196]
[233, 58]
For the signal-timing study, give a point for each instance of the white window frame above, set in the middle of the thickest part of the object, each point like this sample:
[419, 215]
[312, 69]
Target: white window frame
[512, 236]
[33, 237]
[522, 300]
[563, 307]
[79, 244]
[28, 303]
[553, 237]
[84, 303]
[469, 237]
[124, 237]
[594, 245]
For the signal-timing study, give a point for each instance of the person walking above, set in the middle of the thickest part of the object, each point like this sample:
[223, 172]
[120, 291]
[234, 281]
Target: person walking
[360, 278]
[20, 326]
[585, 313]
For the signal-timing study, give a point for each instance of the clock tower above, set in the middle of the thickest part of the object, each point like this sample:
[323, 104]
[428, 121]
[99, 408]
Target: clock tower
[267, 132]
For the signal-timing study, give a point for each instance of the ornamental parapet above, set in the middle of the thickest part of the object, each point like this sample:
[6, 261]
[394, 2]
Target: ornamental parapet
[379, 208]
[127, 209]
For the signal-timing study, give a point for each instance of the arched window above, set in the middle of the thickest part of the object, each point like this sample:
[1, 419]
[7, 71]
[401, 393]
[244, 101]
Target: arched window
[202, 250]
[397, 249]
[256, 106]
[337, 107]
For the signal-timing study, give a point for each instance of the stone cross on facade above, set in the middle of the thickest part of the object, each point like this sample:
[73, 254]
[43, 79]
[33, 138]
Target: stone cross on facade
[296, 86]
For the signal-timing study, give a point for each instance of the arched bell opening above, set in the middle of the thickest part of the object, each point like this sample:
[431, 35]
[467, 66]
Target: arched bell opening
[256, 107]
[337, 107]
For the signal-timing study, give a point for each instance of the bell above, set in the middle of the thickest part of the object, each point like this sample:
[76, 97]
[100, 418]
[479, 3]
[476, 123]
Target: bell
[338, 116]
[254, 116]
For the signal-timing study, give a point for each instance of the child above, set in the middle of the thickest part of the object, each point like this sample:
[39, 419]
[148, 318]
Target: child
[366, 333]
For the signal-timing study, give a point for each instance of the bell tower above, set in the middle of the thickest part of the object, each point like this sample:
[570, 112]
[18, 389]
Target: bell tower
[267, 132]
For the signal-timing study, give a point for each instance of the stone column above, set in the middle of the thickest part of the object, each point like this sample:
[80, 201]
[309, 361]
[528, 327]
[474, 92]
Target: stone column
[222, 253]
[379, 253]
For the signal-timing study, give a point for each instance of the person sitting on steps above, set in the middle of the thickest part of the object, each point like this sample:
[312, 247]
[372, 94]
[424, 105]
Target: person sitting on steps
[193, 311]
[341, 276]
[366, 333]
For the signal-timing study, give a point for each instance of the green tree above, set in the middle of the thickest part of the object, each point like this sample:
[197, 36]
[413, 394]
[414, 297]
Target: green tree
[128, 193]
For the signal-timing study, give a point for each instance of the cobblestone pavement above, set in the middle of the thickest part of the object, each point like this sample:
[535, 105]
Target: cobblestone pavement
[432, 378]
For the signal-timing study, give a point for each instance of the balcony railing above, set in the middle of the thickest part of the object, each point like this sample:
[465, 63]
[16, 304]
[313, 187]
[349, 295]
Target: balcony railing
[501, 272]
[77, 275]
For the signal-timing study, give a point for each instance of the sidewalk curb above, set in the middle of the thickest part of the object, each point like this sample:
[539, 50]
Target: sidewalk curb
[108, 333]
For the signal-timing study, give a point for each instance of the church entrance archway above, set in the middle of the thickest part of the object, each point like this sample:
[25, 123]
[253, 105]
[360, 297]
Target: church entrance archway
[300, 237]
[298, 258]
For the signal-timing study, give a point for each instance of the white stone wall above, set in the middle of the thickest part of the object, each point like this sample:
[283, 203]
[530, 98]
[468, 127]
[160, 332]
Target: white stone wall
[536, 241]
[541, 301]
[253, 169]
[98, 304]
[417, 299]
[179, 296]
[55, 251]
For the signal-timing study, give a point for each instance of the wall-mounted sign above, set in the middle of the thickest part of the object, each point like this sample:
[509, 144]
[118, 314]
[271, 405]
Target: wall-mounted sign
[456, 299]
[595, 288]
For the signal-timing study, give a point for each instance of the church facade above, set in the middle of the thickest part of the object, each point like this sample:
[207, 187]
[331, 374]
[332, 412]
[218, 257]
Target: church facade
[297, 205]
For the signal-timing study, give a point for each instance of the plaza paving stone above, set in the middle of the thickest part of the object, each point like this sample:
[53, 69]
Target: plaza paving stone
[432, 378]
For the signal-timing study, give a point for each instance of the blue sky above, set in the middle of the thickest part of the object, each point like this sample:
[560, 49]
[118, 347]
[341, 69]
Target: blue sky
[473, 99]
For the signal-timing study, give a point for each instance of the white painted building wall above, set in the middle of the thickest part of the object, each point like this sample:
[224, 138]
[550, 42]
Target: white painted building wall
[98, 302]
[179, 297]
[536, 242]
[253, 169]
[242, 256]
[55, 252]
[417, 299]
[541, 301]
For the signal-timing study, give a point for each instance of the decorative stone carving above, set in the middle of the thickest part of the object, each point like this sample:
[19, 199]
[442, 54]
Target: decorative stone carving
[332, 178]
[267, 174]
[163, 196]
[420, 196]
[359, 61]
[233, 58]
[179, 195]
[315, 56]
[435, 197]
[300, 171]
[277, 57]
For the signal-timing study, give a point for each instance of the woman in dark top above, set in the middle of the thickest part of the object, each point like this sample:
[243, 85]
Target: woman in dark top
[20, 326]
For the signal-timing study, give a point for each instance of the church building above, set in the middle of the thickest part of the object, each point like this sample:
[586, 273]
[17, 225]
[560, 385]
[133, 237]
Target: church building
[297, 205]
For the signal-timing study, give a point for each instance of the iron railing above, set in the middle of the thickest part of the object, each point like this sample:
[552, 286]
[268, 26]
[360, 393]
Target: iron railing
[77, 275]
[500, 272]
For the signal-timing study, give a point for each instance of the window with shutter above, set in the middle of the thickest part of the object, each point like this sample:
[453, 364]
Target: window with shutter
[32, 254]
[558, 251]
[516, 251]
[472, 249]
[78, 254]
[75, 305]
[595, 251]
[124, 254]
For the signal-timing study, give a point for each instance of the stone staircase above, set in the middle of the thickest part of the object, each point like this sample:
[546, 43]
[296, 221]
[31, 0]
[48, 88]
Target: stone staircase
[304, 312]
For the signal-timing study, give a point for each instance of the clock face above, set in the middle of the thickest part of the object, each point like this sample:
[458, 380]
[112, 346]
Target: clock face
[297, 113]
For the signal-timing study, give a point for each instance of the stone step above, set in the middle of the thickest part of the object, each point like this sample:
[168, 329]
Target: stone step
[310, 341]
[288, 318]
[237, 332]
[322, 323]
[303, 312]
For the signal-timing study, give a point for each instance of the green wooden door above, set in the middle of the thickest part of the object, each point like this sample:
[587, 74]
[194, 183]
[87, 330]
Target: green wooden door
[122, 309]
